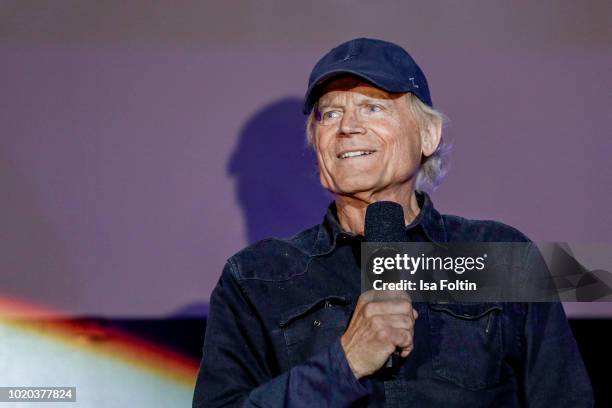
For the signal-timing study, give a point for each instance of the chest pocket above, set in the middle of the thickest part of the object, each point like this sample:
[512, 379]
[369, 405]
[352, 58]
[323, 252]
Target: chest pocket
[466, 343]
[313, 327]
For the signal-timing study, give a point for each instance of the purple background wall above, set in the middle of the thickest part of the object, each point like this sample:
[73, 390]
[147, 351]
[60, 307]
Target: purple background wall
[142, 145]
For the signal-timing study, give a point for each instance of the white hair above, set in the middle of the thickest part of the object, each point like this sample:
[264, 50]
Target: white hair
[434, 167]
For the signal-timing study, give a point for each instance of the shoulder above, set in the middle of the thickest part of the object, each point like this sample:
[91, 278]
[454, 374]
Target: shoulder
[464, 229]
[274, 258]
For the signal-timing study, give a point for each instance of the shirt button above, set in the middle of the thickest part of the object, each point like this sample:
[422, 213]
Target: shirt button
[328, 303]
[316, 323]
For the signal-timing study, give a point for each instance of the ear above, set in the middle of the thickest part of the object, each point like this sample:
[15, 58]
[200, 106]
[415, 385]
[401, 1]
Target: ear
[430, 137]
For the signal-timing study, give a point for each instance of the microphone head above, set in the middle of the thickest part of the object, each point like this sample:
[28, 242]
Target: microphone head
[384, 222]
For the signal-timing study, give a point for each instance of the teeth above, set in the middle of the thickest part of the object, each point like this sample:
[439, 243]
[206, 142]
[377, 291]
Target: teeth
[356, 153]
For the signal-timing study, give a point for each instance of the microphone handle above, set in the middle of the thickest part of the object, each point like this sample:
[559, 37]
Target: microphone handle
[392, 361]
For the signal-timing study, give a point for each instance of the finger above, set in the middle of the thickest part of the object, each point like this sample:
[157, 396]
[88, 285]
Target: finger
[397, 321]
[366, 297]
[384, 295]
[387, 307]
[406, 351]
[402, 338]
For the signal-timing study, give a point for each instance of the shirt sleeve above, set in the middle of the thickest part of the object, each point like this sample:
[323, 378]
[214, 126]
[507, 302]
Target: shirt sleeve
[238, 366]
[555, 375]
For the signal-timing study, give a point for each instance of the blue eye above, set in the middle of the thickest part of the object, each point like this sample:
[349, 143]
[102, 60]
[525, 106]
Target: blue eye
[330, 114]
[374, 108]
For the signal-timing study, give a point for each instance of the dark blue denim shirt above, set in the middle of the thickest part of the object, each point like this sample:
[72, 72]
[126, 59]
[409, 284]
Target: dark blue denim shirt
[281, 305]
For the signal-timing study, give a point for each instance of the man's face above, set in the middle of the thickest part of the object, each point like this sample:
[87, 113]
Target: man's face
[365, 139]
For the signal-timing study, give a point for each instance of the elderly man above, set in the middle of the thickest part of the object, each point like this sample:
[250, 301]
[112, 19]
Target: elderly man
[288, 325]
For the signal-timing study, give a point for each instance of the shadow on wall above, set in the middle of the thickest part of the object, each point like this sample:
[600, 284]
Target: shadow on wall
[275, 171]
[276, 180]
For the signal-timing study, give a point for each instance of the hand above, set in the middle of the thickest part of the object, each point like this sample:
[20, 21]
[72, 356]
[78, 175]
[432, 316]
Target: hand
[382, 322]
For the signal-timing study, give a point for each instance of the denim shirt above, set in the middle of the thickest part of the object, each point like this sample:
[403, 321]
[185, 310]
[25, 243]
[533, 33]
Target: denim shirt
[281, 305]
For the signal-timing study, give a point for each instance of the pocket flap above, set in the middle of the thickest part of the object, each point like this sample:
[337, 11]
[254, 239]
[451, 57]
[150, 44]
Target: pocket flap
[467, 311]
[295, 313]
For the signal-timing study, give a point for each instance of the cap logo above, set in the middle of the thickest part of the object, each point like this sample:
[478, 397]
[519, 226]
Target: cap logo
[413, 84]
[353, 50]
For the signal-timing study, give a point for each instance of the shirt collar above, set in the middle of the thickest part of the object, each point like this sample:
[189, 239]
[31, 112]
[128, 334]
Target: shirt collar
[428, 220]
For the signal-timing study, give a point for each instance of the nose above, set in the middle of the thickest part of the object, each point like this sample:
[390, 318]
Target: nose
[351, 124]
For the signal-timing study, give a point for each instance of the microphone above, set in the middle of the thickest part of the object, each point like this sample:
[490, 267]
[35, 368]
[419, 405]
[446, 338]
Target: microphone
[384, 222]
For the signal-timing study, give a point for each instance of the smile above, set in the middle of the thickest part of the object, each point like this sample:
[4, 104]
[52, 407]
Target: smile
[355, 153]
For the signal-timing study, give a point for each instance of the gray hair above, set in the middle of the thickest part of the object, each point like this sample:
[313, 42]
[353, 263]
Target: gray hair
[433, 168]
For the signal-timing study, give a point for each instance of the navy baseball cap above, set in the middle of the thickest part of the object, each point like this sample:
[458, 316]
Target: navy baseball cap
[385, 65]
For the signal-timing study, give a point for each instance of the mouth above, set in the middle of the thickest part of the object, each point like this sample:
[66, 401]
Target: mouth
[354, 153]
